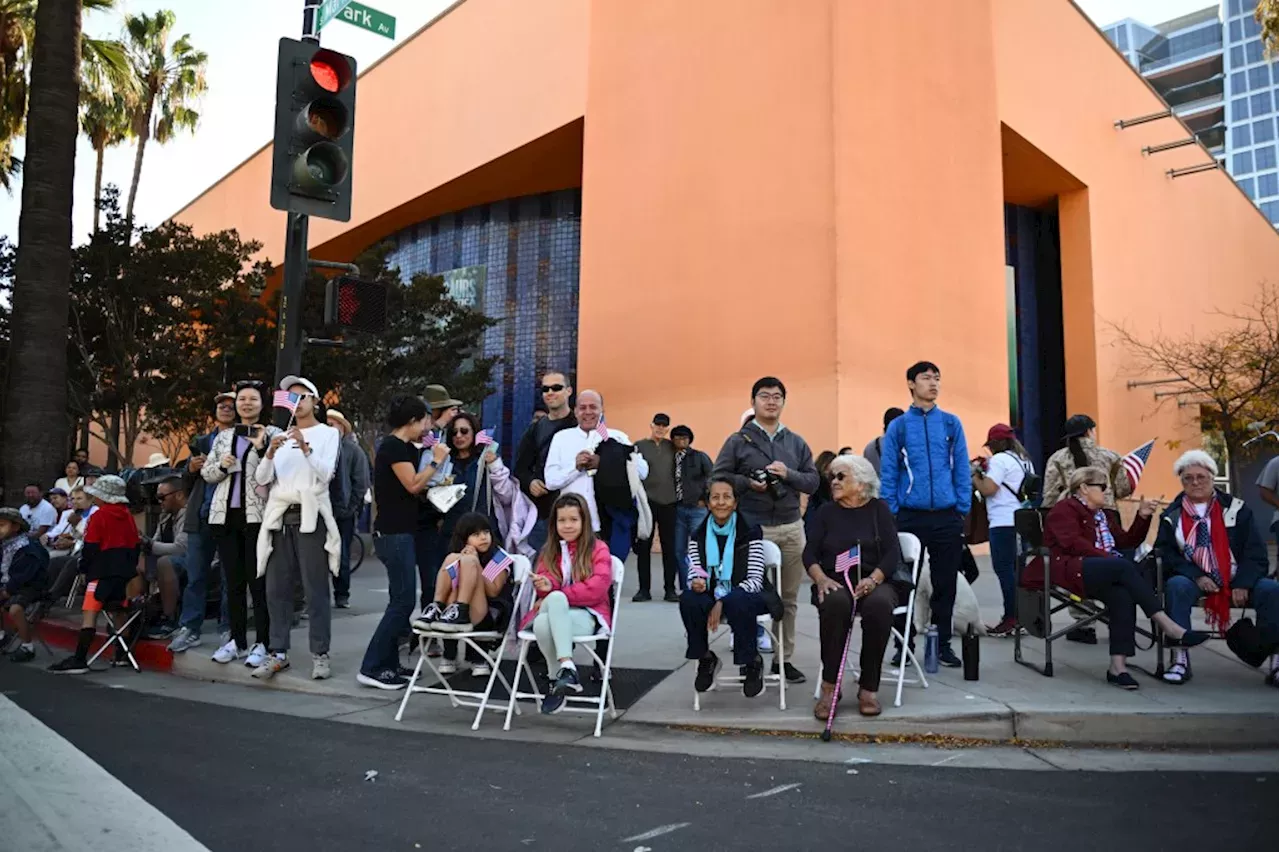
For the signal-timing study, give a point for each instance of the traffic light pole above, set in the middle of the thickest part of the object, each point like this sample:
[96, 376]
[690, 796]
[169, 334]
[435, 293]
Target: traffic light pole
[289, 340]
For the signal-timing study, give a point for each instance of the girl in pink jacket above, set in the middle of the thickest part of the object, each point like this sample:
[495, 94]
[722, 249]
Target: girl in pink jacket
[571, 582]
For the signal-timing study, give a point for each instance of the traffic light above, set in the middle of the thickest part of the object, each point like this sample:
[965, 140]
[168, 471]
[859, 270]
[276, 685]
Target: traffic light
[315, 122]
[355, 304]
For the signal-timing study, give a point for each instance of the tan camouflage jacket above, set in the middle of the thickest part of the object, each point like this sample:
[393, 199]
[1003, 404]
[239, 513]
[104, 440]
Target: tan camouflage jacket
[1058, 472]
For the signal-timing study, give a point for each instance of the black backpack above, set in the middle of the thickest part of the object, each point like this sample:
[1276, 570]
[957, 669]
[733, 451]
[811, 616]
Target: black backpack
[1032, 485]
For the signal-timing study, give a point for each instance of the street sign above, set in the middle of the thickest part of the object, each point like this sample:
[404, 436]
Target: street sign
[360, 15]
[329, 9]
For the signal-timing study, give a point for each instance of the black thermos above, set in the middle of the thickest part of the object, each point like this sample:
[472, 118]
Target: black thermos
[969, 652]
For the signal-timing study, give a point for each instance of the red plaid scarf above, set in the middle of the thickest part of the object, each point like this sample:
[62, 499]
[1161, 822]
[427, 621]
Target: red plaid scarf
[1206, 546]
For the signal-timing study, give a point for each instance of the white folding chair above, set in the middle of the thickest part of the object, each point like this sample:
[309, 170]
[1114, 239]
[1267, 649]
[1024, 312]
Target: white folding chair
[913, 553]
[575, 703]
[520, 572]
[772, 564]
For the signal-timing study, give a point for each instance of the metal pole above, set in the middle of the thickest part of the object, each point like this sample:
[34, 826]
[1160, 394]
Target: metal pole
[289, 340]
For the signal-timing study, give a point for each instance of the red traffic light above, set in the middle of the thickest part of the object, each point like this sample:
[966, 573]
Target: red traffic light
[330, 71]
[356, 305]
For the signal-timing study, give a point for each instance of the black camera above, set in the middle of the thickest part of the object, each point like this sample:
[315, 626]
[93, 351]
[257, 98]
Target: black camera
[773, 485]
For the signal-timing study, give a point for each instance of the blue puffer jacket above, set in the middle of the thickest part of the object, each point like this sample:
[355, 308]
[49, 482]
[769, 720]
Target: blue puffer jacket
[924, 463]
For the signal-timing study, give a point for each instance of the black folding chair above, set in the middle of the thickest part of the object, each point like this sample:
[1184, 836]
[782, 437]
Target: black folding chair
[1036, 614]
[125, 620]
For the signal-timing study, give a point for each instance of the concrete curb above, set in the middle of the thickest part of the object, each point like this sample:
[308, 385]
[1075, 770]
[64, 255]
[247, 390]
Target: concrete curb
[150, 654]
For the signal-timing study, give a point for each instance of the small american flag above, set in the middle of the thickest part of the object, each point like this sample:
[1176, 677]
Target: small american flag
[484, 438]
[602, 431]
[430, 439]
[499, 562]
[849, 560]
[452, 571]
[285, 399]
[1136, 462]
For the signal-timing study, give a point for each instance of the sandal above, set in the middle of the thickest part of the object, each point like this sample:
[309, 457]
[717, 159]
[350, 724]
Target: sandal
[822, 709]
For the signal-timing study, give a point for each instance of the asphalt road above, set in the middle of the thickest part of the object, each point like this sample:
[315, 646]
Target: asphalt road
[236, 779]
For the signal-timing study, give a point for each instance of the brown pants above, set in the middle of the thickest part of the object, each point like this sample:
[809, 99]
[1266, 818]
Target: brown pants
[835, 619]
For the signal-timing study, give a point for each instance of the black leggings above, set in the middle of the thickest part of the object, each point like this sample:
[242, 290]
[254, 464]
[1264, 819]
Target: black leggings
[238, 551]
[834, 621]
[1119, 585]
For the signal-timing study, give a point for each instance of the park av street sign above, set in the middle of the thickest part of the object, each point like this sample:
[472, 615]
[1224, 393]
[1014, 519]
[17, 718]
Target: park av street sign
[360, 15]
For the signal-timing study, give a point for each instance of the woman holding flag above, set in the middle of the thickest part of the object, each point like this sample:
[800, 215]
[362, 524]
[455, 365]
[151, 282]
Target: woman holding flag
[852, 549]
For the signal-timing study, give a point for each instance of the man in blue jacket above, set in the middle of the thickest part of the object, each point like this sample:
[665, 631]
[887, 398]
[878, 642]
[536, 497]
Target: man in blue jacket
[924, 477]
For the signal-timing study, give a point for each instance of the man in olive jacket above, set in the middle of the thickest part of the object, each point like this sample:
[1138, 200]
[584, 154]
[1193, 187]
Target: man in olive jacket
[771, 467]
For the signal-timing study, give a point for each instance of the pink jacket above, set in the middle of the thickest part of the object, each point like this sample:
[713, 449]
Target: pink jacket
[591, 593]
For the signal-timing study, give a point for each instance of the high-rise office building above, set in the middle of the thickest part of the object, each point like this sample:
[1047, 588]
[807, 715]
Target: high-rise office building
[1210, 68]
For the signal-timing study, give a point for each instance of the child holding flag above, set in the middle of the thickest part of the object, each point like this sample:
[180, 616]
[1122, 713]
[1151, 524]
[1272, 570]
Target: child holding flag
[473, 588]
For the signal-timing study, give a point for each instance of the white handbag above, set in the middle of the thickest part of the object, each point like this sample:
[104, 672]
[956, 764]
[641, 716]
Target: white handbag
[445, 497]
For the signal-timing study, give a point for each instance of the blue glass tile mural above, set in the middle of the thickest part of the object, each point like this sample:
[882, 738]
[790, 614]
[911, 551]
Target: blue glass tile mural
[519, 258]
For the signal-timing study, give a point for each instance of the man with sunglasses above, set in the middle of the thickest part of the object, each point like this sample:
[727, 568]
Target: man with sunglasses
[531, 454]
[164, 557]
[201, 544]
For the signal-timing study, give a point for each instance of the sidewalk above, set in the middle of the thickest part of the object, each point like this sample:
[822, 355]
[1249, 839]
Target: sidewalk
[1226, 704]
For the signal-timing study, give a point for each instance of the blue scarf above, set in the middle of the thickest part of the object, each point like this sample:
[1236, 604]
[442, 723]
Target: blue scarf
[721, 564]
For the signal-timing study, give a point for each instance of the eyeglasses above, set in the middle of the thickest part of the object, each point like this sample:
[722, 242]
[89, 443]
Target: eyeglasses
[770, 397]
[463, 431]
[165, 496]
[552, 388]
[1196, 477]
[840, 477]
[1101, 485]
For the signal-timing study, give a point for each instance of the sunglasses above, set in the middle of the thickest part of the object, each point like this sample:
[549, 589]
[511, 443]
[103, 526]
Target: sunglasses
[462, 431]
[841, 476]
[552, 388]
[1101, 485]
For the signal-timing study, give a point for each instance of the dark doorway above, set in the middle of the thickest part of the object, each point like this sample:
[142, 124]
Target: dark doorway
[1037, 393]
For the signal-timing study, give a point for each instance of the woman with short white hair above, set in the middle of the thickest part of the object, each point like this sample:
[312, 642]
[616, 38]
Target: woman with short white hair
[852, 550]
[1210, 546]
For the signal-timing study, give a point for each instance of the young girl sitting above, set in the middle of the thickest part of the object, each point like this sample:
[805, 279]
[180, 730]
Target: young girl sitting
[572, 581]
[473, 588]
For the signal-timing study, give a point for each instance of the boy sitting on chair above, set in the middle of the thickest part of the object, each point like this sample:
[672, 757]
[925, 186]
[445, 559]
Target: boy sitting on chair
[109, 562]
[24, 580]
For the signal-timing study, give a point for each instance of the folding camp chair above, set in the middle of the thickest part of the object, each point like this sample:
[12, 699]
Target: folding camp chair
[592, 703]
[128, 613]
[471, 639]
[1160, 667]
[772, 564]
[1029, 525]
[911, 550]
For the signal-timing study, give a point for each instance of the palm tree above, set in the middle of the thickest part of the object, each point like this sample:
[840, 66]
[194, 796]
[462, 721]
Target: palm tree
[106, 117]
[170, 80]
[35, 413]
[103, 60]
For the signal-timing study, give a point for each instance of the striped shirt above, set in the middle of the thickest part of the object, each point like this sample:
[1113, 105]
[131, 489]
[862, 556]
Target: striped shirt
[753, 582]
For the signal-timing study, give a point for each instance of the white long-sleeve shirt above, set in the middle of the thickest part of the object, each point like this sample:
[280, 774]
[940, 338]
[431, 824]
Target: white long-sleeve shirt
[291, 471]
[562, 472]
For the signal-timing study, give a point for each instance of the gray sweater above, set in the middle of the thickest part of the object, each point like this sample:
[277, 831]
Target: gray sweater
[350, 479]
[751, 449]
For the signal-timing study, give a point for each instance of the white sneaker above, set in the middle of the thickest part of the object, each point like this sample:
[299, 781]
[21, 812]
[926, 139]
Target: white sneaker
[228, 653]
[274, 663]
[447, 667]
[320, 667]
[481, 669]
[764, 642]
[257, 655]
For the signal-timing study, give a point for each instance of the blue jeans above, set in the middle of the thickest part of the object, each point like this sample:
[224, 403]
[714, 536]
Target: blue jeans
[1181, 593]
[941, 534]
[738, 609]
[342, 582]
[200, 549]
[429, 553]
[1004, 561]
[397, 553]
[620, 524]
[688, 518]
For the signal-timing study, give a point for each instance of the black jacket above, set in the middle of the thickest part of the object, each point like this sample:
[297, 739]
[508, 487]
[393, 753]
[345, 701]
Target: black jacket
[29, 567]
[1247, 546]
[530, 462]
[694, 475]
[750, 449]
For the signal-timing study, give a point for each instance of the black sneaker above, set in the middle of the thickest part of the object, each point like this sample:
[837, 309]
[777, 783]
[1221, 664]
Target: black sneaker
[342, 603]
[794, 675]
[552, 703]
[71, 665]
[566, 681]
[22, 655]
[671, 597]
[948, 658]
[429, 617]
[708, 668]
[1083, 635]
[641, 597]
[456, 619]
[386, 679]
[753, 679]
[896, 662]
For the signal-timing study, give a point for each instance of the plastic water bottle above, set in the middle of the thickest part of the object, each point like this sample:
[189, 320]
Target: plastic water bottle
[931, 650]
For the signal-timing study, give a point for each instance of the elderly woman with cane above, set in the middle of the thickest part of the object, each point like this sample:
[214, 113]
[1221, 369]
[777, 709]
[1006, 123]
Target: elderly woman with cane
[852, 550]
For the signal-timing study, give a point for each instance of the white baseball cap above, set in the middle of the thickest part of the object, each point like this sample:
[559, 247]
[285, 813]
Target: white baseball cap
[289, 381]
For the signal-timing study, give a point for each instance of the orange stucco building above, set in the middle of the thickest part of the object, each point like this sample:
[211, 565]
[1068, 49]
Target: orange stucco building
[826, 190]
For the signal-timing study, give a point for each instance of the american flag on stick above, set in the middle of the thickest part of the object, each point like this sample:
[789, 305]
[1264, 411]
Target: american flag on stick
[286, 400]
[499, 562]
[849, 560]
[484, 438]
[602, 431]
[1136, 462]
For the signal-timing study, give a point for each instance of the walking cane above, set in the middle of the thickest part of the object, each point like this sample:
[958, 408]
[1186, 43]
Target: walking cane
[844, 657]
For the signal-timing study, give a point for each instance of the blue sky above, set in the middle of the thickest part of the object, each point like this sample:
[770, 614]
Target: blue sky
[240, 37]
